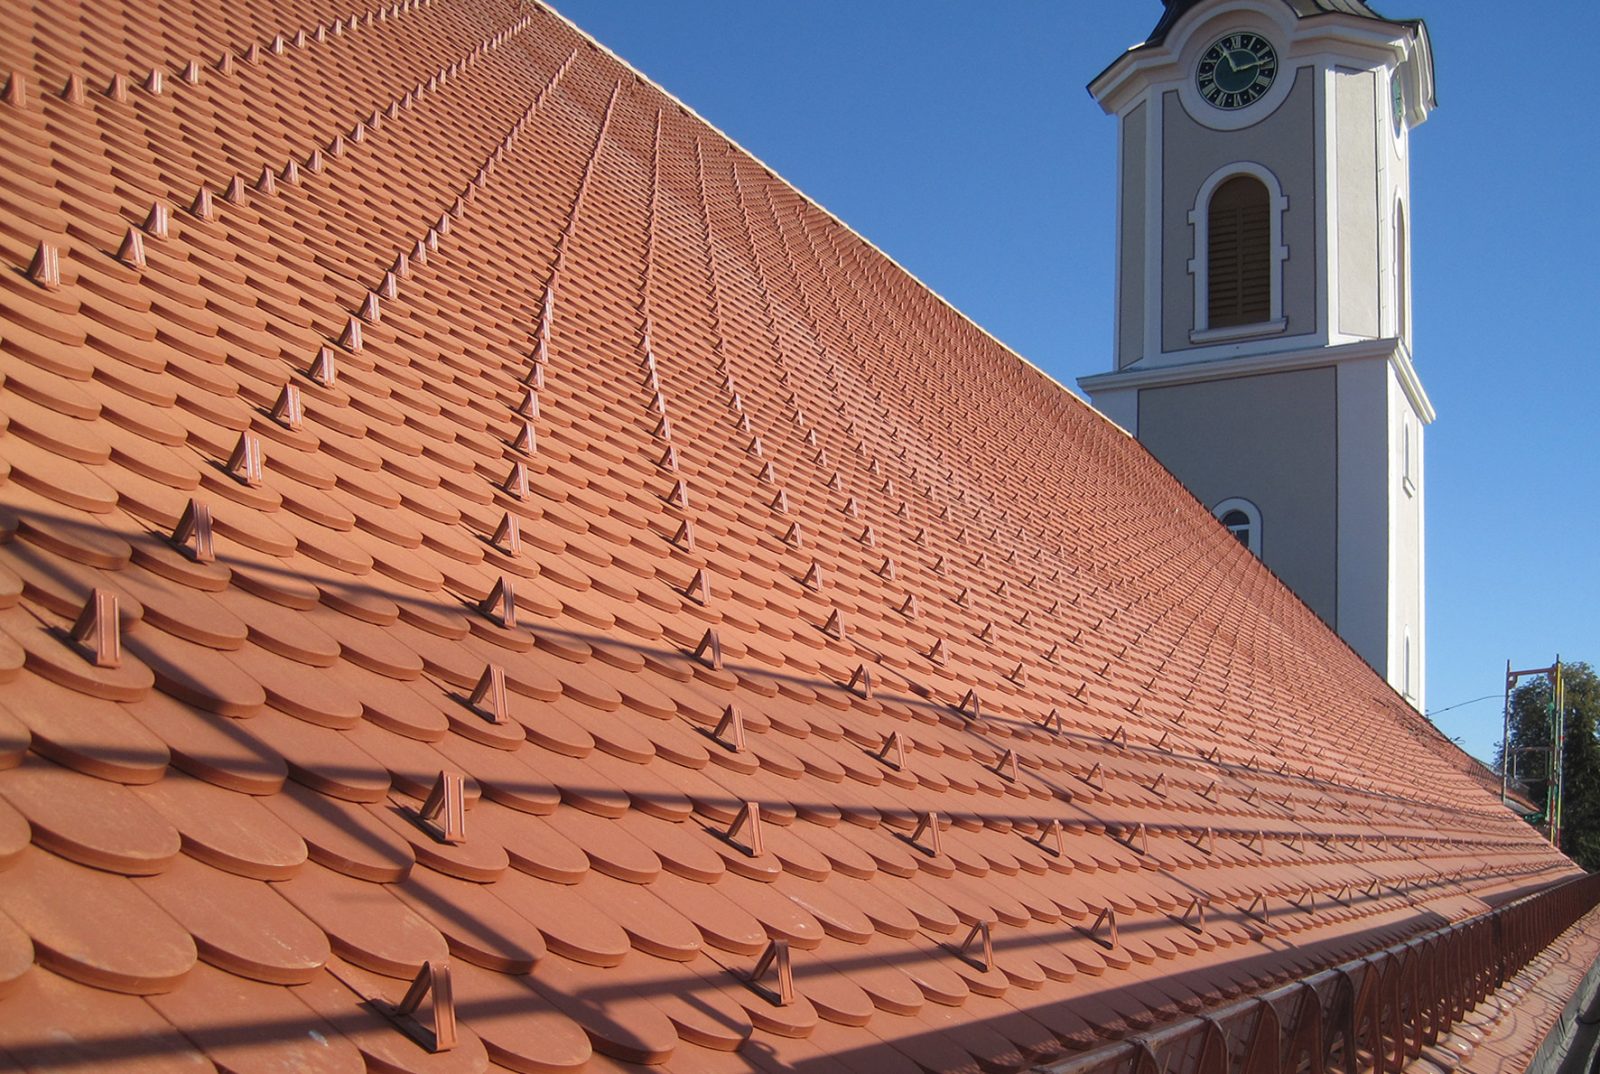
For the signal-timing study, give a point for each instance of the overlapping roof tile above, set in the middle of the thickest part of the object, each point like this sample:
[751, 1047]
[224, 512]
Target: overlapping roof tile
[470, 530]
[1526, 1015]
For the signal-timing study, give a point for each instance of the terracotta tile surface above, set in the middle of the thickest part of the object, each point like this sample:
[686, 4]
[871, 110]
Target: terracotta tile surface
[1504, 1033]
[457, 512]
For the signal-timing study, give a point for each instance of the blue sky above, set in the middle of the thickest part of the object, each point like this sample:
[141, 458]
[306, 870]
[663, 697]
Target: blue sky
[959, 138]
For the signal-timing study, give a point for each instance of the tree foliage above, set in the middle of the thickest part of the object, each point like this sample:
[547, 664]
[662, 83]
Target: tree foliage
[1530, 732]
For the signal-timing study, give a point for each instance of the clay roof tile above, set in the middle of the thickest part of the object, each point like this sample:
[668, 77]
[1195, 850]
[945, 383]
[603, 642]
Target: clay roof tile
[368, 627]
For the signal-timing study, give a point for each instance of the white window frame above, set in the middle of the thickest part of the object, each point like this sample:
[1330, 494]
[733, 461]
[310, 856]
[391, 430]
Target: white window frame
[1200, 264]
[1250, 511]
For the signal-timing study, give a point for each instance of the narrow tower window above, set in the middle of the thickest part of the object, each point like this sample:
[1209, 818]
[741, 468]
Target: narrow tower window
[1406, 671]
[1407, 451]
[1239, 258]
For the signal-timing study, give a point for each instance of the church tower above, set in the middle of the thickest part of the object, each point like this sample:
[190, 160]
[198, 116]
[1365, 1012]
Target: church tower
[1263, 321]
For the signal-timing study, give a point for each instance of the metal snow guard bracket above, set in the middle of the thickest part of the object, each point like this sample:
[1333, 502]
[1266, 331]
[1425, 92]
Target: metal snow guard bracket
[1373, 1014]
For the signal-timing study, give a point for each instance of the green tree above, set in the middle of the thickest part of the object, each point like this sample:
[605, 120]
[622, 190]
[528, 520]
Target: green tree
[1531, 713]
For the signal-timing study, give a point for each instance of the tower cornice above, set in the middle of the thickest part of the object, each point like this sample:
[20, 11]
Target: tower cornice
[1208, 369]
[1368, 38]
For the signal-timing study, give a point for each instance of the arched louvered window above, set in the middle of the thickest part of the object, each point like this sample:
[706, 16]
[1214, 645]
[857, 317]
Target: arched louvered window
[1242, 519]
[1239, 255]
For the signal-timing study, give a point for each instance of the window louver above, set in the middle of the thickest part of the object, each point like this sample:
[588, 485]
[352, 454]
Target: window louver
[1240, 254]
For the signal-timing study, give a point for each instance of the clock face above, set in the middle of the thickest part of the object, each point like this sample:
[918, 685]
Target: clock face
[1397, 94]
[1237, 70]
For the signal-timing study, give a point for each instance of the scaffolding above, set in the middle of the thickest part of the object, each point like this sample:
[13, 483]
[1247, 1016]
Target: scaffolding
[1554, 753]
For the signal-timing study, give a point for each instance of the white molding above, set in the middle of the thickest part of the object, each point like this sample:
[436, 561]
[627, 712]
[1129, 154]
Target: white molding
[1400, 257]
[1118, 358]
[1415, 68]
[1199, 265]
[1238, 348]
[1376, 42]
[1402, 137]
[1384, 192]
[1144, 64]
[1411, 384]
[1390, 350]
[1155, 190]
[1418, 469]
[1240, 331]
[1326, 135]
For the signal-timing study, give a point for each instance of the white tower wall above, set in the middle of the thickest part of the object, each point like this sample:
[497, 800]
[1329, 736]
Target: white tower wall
[1312, 416]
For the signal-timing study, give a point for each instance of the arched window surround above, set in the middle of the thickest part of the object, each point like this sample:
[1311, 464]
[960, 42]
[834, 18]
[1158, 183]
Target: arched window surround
[1249, 533]
[1200, 264]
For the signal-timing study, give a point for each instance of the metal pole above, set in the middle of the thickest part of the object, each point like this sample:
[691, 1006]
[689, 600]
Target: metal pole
[1505, 738]
[1558, 699]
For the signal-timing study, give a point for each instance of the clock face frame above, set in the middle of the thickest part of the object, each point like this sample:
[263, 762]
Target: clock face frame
[1237, 70]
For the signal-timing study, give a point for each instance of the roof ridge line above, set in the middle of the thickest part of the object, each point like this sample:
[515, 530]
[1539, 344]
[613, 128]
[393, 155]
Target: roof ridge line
[681, 103]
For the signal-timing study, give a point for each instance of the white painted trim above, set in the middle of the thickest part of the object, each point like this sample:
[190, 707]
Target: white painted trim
[1388, 323]
[1252, 533]
[1417, 69]
[1154, 224]
[1410, 382]
[1200, 224]
[1143, 64]
[1117, 357]
[1240, 348]
[1402, 140]
[1207, 369]
[1240, 331]
[1326, 134]
[1422, 577]
[1376, 42]
[1400, 221]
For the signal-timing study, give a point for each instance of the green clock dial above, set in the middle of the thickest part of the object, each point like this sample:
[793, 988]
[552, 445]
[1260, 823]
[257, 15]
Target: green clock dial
[1397, 95]
[1237, 70]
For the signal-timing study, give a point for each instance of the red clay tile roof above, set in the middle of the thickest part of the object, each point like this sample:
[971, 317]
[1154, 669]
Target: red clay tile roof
[1503, 1035]
[458, 511]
